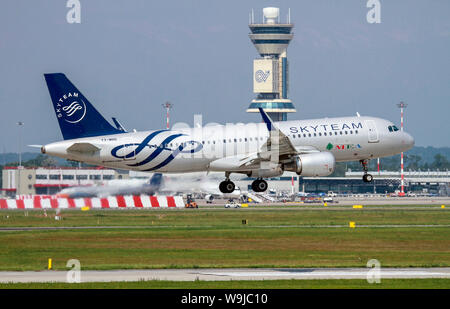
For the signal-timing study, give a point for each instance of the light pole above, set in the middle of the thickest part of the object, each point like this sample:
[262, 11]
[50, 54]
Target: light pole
[402, 106]
[20, 124]
[167, 106]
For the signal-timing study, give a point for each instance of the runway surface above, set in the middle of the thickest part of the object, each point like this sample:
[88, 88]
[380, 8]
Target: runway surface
[226, 274]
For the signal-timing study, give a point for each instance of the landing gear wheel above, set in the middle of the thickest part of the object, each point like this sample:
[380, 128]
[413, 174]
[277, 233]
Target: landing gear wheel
[259, 185]
[367, 178]
[226, 186]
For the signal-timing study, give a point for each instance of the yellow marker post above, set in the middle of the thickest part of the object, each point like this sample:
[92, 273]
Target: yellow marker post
[357, 206]
[442, 206]
[244, 205]
[325, 204]
[86, 208]
[245, 221]
[49, 264]
[352, 224]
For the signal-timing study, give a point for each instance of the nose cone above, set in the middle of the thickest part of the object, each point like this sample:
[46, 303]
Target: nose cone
[407, 141]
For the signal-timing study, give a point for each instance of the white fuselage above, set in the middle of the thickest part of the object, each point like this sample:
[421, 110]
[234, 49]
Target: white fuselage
[194, 149]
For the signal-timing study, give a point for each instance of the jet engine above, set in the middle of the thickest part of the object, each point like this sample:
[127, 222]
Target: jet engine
[209, 198]
[312, 164]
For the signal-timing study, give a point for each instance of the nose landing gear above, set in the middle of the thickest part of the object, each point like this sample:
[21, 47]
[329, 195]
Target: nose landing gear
[366, 177]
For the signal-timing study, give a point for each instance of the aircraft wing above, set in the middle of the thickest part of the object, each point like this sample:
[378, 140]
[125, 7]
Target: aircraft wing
[277, 148]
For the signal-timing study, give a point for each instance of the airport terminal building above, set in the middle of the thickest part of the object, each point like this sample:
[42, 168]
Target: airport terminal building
[44, 180]
[385, 182]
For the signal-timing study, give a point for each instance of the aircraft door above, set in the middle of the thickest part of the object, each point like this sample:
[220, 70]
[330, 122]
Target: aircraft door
[372, 131]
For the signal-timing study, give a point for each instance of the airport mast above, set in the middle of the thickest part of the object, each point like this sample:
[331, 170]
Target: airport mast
[270, 72]
[402, 106]
[167, 106]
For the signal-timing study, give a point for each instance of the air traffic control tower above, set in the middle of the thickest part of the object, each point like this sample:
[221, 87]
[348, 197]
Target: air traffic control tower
[270, 72]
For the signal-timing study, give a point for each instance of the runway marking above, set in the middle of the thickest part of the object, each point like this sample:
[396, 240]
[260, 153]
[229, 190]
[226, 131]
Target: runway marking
[223, 275]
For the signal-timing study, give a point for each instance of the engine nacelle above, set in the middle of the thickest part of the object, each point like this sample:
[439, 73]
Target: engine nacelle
[209, 198]
[266, 173]
[312, 164]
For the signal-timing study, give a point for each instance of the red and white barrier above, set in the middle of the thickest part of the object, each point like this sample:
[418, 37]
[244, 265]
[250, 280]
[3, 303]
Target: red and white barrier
[119, 201]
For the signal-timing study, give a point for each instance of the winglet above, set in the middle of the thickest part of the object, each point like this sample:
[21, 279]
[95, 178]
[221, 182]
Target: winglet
[118, 125]
[267, 120]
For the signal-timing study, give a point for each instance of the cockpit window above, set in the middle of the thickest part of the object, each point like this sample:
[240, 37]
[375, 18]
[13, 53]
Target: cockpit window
[392, 128]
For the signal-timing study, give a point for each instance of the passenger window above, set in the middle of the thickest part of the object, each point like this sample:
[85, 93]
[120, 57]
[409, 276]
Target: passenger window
[309, 134]
[346, 132]
[299, 135]
[320, 134]
[324, 133]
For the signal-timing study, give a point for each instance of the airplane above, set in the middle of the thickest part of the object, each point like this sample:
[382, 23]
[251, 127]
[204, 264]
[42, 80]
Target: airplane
[260, 150]
[116, 187]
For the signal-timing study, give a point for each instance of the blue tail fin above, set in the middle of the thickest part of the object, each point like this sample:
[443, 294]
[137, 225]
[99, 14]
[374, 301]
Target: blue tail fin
[76, 116]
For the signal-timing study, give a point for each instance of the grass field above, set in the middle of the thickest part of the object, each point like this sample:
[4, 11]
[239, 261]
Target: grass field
[268, 284]
[217, 238]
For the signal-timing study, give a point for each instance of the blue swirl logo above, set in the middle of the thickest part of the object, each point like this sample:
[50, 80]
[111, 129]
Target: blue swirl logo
[75, 112]
[185, 147]
[261, 76]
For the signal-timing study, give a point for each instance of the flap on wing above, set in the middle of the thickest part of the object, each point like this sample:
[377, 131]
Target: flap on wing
[86, 148]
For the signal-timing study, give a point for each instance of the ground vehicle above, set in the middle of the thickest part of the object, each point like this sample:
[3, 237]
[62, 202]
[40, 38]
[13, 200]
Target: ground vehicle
[190, 202]
[232, 204]
[331, 194]
[328, 200]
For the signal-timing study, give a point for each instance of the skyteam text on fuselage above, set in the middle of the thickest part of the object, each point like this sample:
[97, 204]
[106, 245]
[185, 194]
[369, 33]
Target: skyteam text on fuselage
[260, 150]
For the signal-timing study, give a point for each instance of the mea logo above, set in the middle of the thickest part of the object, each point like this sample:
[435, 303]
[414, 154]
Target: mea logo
[71, 108]
[261, 76]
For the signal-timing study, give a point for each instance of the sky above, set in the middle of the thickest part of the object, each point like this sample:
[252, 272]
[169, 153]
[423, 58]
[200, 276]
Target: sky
[130, 57]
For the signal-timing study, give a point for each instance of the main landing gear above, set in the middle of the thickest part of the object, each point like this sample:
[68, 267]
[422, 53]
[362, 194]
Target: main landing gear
[366, 177]
[227, 186]
[259, 185]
